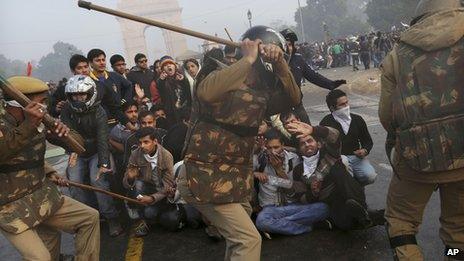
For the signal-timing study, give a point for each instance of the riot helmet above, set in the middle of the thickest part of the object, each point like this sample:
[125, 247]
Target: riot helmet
[289, 35]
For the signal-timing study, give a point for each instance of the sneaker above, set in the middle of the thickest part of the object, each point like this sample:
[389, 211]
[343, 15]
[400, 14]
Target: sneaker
[358, 212]
[141, 229]
[114, 227]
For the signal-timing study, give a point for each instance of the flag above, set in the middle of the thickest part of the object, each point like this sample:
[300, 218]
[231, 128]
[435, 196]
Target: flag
[29, 69]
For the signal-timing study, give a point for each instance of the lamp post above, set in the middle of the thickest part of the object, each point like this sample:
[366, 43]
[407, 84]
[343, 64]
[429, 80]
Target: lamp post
[249, 16]
[301, 22]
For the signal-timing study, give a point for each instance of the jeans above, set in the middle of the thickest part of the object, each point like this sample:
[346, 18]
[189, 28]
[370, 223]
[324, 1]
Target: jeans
[86, 169]
[292, 219]
[150, 212]
[362, 170]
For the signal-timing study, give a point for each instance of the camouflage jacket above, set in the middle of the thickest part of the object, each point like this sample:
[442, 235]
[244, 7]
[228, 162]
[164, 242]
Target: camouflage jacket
[218, 158]
[422, 95]
[27, 197]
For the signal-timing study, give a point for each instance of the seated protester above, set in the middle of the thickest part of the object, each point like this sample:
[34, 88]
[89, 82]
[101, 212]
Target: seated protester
[174, 91]
[149, 178]
[175, 137]
[83, 114]
[282, 214]
[322, 177]
[355, 137]
[119, 137]
[113, 89]
[148, 119]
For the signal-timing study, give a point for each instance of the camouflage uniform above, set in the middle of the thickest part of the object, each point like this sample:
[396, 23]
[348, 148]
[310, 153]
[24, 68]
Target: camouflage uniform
[422, 109]
[32, 210]
[218, 176]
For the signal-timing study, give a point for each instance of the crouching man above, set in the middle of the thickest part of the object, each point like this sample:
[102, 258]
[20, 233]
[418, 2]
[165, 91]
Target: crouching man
[282, 214]
[149, 178]
[322, 177]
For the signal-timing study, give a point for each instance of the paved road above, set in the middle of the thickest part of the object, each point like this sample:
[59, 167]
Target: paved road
[370, 244]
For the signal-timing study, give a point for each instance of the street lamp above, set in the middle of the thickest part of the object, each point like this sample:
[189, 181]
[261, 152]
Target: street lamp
[249, 16]
[301, 22]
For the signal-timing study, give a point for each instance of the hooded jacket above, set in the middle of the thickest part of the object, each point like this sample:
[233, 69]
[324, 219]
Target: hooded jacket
[437, 31]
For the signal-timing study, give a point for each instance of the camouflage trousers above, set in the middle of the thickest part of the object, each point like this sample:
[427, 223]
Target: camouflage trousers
[43, 242]
[406, 202]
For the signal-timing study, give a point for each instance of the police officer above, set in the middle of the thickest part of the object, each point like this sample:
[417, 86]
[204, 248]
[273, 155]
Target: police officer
[422, 109]
[32, 210]
[301, 69]
[232, 102]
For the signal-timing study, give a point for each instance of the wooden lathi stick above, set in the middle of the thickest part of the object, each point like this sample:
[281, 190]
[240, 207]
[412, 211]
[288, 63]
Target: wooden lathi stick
[171, 27]
[111, 194]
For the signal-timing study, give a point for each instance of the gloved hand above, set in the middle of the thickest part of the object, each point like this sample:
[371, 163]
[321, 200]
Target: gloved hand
[337, 83]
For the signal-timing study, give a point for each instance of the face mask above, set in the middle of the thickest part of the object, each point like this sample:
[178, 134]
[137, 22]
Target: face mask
[343, 113]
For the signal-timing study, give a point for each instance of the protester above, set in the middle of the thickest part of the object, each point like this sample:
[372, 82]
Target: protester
[354, 135]
[140, 74]
[281, 213]
[192, 67]
[174, 91]
[329, 180]
[112, 88]
[150, 179]
[83, 114]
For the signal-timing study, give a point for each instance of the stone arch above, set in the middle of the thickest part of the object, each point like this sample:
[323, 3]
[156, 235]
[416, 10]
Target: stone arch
[133, 33]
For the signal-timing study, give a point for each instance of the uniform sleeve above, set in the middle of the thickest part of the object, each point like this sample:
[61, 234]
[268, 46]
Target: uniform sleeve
[13, 140]
[387, 87]
[102, 137]
[218, 83]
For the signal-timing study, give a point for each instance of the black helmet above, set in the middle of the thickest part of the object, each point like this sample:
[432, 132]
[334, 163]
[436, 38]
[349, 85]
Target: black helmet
[265, 34]
[289, 35]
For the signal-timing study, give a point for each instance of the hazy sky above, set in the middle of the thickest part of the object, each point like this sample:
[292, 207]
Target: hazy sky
[29, 28]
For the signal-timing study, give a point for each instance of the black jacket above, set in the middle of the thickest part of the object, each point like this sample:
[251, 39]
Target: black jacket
[301, 69]
[357, 137]
[122, 87]
[92, 126]
[110, 101]
[142, 78]
[175, 97]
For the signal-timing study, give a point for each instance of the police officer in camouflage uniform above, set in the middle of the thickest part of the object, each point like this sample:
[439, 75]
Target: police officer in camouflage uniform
[32, 210]
[233, 101]
[422, 109]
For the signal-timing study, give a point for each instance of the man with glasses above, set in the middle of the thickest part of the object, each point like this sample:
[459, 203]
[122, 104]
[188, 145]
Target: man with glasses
[140, 74]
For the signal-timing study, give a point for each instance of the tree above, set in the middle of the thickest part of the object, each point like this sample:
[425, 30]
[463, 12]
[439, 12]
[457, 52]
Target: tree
[53, 66]
[11, 68]
[384, 14]
[330, 18]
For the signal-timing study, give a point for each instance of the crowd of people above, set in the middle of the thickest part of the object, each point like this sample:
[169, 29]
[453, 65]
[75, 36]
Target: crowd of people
[134, 123]
[364, 49]
[226, 144]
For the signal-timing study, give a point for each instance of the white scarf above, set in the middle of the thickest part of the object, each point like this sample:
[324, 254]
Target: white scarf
[343, 117]
[152, 160]
[310, 165]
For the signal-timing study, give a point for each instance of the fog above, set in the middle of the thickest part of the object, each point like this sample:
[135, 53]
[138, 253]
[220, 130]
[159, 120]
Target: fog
[30, 28]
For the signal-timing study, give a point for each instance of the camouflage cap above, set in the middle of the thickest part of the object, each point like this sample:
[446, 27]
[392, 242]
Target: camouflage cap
[28, 85]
